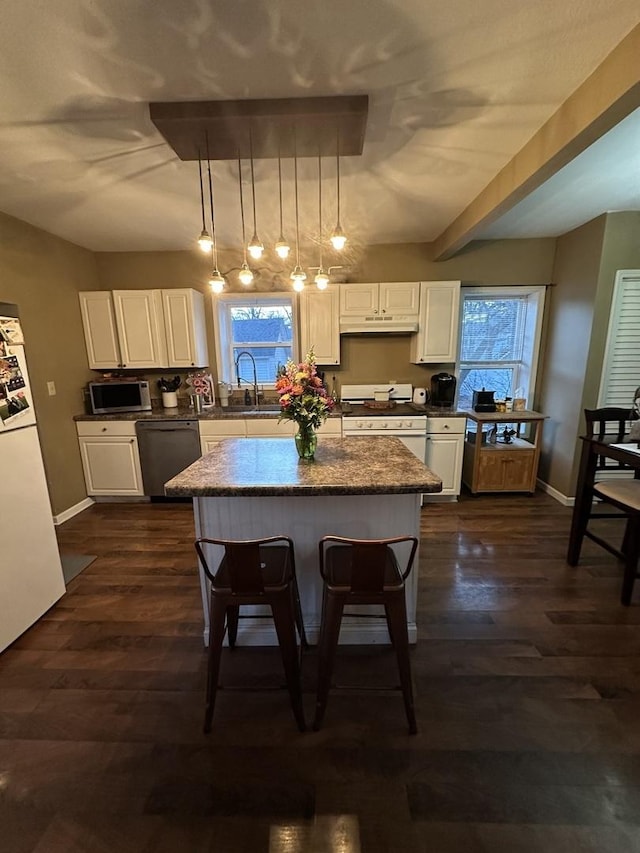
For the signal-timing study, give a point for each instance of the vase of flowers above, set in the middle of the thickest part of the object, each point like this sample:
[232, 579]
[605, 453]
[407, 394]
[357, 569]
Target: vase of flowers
[304, 400]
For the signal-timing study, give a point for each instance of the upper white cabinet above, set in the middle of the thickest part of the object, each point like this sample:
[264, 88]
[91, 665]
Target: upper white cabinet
[394, 297]
[320, 324]
[141, 329]
[437, 338]
[185, 328]
[100, 333]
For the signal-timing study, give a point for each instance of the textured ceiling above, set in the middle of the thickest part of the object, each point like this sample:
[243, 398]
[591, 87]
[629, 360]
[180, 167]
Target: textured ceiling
[455, 90]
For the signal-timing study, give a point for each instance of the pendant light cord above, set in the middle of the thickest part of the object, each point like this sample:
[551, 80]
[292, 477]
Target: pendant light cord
[244, 242]
[214, 246]
[320, 206]
[295, 179]
[338, 169]
[201, 190]
[280, 187]
[253, 185]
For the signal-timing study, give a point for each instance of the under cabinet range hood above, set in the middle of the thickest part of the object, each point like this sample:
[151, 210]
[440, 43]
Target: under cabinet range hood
[392, 323]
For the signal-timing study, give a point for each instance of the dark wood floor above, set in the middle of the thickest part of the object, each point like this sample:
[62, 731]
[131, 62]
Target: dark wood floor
[528, 691]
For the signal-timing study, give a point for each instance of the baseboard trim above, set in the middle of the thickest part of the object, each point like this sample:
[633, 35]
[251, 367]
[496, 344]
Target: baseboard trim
[66, 514]
[555, 494]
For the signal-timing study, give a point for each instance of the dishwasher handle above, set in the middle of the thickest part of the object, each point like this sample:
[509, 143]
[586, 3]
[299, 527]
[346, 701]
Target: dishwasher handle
[165, 426]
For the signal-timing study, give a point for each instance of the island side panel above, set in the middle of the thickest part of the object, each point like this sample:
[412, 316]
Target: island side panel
[306, 520]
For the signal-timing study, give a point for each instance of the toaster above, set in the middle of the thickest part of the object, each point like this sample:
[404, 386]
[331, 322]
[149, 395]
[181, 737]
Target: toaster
[483, 401]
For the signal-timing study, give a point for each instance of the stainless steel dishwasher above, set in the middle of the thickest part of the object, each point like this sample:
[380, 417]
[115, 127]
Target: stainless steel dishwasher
[166, 448]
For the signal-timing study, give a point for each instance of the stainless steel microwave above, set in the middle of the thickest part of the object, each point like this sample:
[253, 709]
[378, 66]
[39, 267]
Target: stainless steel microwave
[119, 396]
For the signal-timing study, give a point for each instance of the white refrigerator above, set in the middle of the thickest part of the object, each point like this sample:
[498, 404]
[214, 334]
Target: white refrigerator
[31, 577]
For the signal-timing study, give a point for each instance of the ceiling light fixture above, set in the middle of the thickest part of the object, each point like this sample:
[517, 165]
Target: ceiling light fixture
[245, 275]
[256, 247]
[282, 247]
[321, 279]
[338, 237]
[298, 275]
[217, 280]
[204, 240]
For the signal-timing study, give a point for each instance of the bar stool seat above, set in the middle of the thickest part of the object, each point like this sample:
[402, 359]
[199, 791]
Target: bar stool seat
[255, 571]
[356, 571]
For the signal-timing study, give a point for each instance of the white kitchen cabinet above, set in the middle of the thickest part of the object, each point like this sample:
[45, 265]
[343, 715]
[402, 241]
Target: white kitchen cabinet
[110, 459]
[437, 338]
[140, 328]
[320, 324]
[445, 453]
[100, 333]
[185, 328]
[395, 297]
[213, 431]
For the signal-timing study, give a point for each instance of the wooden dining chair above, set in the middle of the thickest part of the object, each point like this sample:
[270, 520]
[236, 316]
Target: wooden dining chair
[611, 425]
[255, 571]
[356, 571]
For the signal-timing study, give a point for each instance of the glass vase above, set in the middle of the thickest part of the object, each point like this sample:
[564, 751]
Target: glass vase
[306, 443]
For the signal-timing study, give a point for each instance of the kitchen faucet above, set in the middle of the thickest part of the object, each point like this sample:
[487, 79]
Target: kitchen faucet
[255, 375]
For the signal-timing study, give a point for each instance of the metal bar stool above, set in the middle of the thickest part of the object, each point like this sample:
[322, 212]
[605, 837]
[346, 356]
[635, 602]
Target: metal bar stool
[254, 572]
[356, 571]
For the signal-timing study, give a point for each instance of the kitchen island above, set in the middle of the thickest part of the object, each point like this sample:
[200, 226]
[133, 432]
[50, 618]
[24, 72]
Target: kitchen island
[362, 487]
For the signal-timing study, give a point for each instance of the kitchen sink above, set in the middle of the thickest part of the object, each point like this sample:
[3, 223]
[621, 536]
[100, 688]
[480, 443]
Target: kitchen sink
[267, 409]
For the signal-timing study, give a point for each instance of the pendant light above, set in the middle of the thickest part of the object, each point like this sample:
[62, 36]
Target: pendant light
[282, 247]
[338, 237]
[256, 247]
[298, 275]
[245, 275]
[321, 279]
[204, 240]
[217, 281]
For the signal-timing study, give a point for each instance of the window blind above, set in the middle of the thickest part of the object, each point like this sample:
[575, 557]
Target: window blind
[621, 366]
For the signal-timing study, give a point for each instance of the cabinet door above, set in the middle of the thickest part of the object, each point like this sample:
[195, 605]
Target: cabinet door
[437, 338]
[358, 299]
[100, 334]
[444, 457]
[270, 428]
[111, 465]
[505, 471]
[400, 297]
[210, 442]
[140, 328]
[320, 325]
[185, 328]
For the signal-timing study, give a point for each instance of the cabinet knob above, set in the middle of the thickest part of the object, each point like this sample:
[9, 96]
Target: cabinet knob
[445, 426]
[104, 429]
[375, 310]
[192, 364]
[132, 440]
[124, 365]
[384, 310]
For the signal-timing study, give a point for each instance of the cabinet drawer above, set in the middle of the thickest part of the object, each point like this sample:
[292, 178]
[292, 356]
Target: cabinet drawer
[226, 427]
[106, 428]
[332, 426]
[445, 425]
[267, 427]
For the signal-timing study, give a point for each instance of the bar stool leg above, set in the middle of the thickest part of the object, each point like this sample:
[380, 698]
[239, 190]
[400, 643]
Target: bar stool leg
[286, 630]
[332, 607]
[233, 611]
[396, 610]
[216, 638]
[297, 609]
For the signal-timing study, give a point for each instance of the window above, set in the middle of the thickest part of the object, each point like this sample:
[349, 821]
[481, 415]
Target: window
[621, 367]
[261, 325]
[499, 341]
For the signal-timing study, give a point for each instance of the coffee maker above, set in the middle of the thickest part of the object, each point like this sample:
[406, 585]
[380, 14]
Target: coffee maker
[443, 389]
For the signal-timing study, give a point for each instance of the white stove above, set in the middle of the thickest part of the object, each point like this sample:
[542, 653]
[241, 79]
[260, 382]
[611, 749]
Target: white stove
[362, 416]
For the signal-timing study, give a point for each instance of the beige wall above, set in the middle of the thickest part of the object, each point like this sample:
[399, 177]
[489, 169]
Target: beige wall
[42, 274]
[584, 273]
[365, 358]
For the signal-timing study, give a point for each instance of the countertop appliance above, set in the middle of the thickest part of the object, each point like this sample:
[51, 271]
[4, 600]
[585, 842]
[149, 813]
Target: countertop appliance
[420, 396]
[119, 395]
[443, 389]
[396, 418]
[166, 448]
[483, 401]
[31, 578]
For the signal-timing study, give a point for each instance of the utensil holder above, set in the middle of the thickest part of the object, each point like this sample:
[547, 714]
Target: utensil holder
[170, 399]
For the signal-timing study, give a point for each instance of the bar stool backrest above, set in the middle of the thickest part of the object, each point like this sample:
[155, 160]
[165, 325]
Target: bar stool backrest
[368, 560]
[242, 563]
[610, 425]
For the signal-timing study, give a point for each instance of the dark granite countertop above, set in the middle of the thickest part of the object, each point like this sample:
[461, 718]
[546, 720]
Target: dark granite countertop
[158, 413]
[371, 465]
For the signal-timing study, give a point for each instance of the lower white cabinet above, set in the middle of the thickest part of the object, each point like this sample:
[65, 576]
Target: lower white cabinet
[445, 452]
[211, 432]
[110, 459]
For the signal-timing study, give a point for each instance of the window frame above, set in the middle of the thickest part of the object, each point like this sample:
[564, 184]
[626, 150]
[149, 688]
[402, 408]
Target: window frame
[222, 326]
[526, 368]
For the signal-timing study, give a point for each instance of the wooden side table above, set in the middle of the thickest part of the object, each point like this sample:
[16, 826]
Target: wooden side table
[492, 464]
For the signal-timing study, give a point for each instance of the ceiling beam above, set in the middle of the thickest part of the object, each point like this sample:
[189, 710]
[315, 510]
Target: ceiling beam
[606, 97]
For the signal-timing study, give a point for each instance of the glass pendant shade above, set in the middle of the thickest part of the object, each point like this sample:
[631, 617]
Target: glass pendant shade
[217, 281]
[338, 239]
[282, 248]
[245, 275]
[255, 247]
[321, 279]
[204, 241]
[298, 277]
